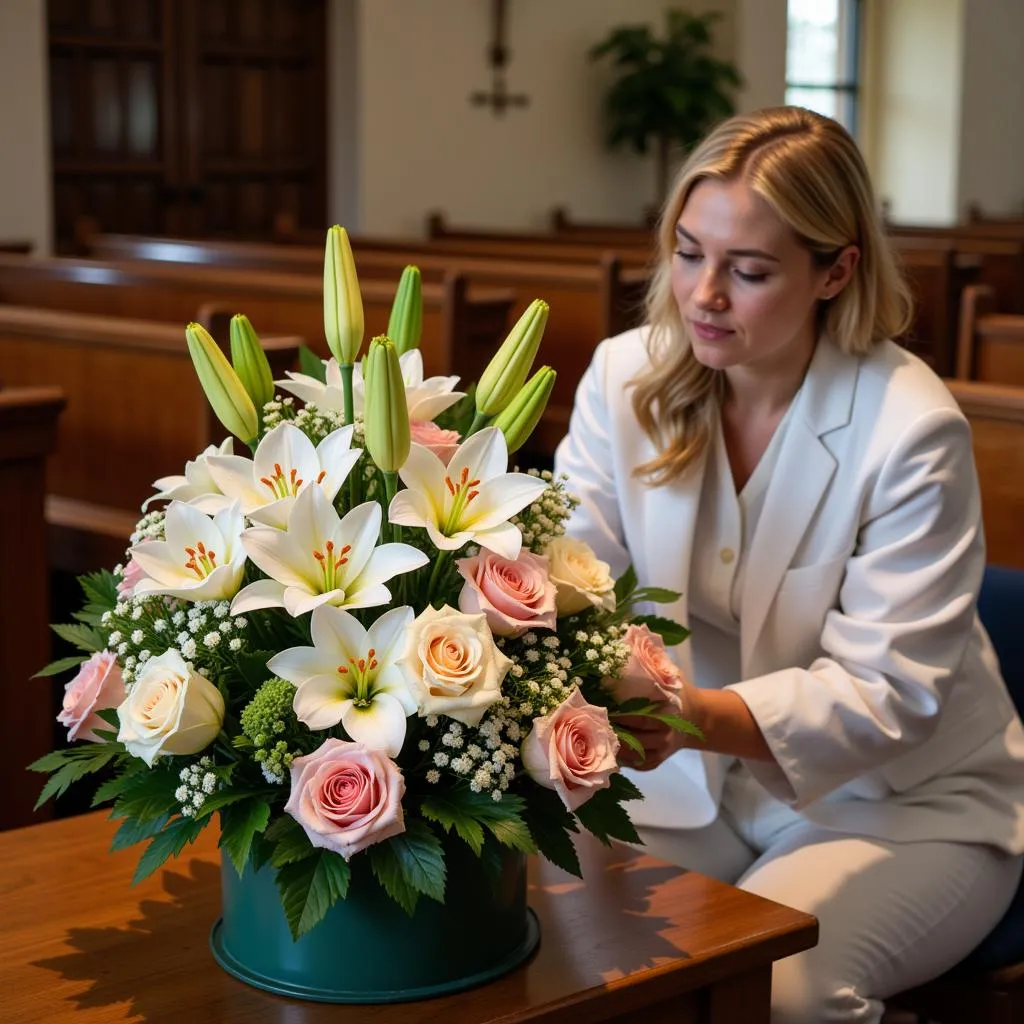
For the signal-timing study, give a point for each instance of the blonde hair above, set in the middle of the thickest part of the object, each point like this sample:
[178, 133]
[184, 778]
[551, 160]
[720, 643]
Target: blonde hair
[809, 170]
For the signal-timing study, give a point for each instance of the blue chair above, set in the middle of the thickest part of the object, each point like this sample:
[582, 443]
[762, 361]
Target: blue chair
[988, 987]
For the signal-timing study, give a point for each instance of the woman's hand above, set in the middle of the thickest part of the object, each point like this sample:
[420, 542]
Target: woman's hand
[659, 739]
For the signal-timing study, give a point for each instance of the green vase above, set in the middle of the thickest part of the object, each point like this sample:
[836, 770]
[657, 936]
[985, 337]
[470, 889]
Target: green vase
[367, 949]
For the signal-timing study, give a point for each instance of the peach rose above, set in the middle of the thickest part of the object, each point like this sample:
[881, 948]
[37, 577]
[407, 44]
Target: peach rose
[170, 710]
[428, 434]
[582, 580]
[650, 672]
[97, 686]
[514, 594]
[572, 751]
[346, 797]
[455, 666]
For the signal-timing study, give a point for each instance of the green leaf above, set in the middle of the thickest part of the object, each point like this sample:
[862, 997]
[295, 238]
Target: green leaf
[310, 887]
[225, 797]
[290, 841]
[625, 585]
[624, 789]
[671, 632]
[239, 823]
[168, 843]
[604, 817]
[252, 667]
[656, 595]
[680, 724]
[410, 864]
[311, 364]
[74, 767]
[85, 638]
[131, 832]
[551, 826]
[61, 665]
[100, 588]
[115, 786]
[452, 815]
[150, 794]
[626, 737]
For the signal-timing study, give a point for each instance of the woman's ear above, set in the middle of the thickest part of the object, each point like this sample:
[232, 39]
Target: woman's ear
[838, 275]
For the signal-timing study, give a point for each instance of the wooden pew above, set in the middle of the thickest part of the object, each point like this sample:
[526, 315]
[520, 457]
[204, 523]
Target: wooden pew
[589, 302]
[453, 318]
[135, 412]
[996, 415]
[990, 345]
[28, 430]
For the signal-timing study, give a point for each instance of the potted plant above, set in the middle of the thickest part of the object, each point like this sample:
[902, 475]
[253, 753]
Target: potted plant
[667, 91]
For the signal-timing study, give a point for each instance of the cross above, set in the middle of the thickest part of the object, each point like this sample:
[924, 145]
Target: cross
[499, 99]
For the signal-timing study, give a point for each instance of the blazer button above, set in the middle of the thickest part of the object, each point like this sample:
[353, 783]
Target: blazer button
[726, 555]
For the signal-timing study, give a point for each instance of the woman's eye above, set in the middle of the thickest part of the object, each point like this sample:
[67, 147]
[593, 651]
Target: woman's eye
[688, 257]
[750, 278]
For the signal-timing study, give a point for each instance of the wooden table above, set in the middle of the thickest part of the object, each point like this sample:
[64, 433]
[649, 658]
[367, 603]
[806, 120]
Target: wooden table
[637, 941]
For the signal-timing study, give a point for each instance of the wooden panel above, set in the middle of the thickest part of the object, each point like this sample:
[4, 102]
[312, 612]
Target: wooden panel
[28, 419]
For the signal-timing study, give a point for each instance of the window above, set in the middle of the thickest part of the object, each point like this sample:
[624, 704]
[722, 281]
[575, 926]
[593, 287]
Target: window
[822, 58]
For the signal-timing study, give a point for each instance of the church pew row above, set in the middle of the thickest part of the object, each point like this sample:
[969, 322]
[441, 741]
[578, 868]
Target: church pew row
[455, 318]
[28, 429]
[588, 302]
[134, 412]
[990, 345]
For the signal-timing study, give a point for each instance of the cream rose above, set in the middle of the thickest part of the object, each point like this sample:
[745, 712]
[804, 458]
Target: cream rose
[582, 580]
[170, 710]
[572, 751]
[98, 685]
[650, 672]
[346, 797]
[443, 443]
[454, 663]
[514, 594]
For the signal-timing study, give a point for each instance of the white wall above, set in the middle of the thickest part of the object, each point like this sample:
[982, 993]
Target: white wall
[761, 52]
[25, 191]
[423, 146]
[991, 161]
[343, 112]
[913, 84]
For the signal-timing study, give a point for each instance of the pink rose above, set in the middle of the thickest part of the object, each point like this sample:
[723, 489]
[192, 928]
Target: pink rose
[572, 751]
[514, 594]
[133, 572]
[346, 797]
[649, 673]
[98, 685]
[428, 434]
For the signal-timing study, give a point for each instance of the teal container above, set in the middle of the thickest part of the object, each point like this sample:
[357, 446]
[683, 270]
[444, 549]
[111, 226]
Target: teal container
[367, 949]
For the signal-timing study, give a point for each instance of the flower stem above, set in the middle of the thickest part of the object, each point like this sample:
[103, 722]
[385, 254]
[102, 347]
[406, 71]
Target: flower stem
[390, 490]
[440, 564]
[479, 422]
[348, 403]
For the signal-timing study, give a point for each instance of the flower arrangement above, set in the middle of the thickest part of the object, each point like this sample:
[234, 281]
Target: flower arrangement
[365, 636]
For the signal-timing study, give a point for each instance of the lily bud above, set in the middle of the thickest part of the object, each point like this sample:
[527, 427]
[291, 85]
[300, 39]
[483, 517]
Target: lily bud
[224, 391]
[250, 362]
[406, 322]
[343, 304]
[386, 414]
[520, 417]
[507, 371]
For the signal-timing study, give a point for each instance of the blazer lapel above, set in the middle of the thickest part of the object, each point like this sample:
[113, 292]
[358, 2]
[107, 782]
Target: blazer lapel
[801, 476]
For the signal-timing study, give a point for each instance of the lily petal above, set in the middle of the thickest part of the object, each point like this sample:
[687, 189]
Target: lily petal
[380, 726]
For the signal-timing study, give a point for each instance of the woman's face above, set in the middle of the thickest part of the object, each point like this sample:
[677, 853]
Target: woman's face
[746, 288]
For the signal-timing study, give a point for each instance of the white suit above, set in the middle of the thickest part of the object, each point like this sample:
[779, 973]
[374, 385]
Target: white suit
[862, 657]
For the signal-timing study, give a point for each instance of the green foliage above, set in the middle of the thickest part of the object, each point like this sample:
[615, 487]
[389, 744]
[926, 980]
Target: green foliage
[239, 824]
[167, 843]
[604, 816]
[61, 665]
[668, 629]
[470, 813]
[667, 90]
[311, 364]
[310, 887]
[85, 638]
[71, 764]
[410, 865]
[552, 826]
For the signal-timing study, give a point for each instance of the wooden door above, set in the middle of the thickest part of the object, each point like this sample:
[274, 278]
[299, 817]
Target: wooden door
[112, 127]
[187, 117]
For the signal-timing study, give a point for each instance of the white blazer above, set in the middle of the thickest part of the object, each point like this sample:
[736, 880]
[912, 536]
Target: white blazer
[862, 657]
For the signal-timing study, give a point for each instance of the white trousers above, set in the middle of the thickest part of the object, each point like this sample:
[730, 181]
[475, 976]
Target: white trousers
[891, 915]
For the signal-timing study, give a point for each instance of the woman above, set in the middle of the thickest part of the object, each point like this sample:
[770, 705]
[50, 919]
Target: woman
[808, 486]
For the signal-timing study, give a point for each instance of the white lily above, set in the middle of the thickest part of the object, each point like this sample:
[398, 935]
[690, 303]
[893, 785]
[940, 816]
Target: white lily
[425, 398]
[469, 500]
[351, 675]
[199, 559]
[197, 486]
[284, 464]
[323, 559]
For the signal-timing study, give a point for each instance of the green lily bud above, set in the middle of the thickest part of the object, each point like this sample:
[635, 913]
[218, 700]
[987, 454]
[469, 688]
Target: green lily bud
[224, 391]
[507, 371]
[519, 418]
[343, 304]
[386, 414]
[250, 362]
[405, 324]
